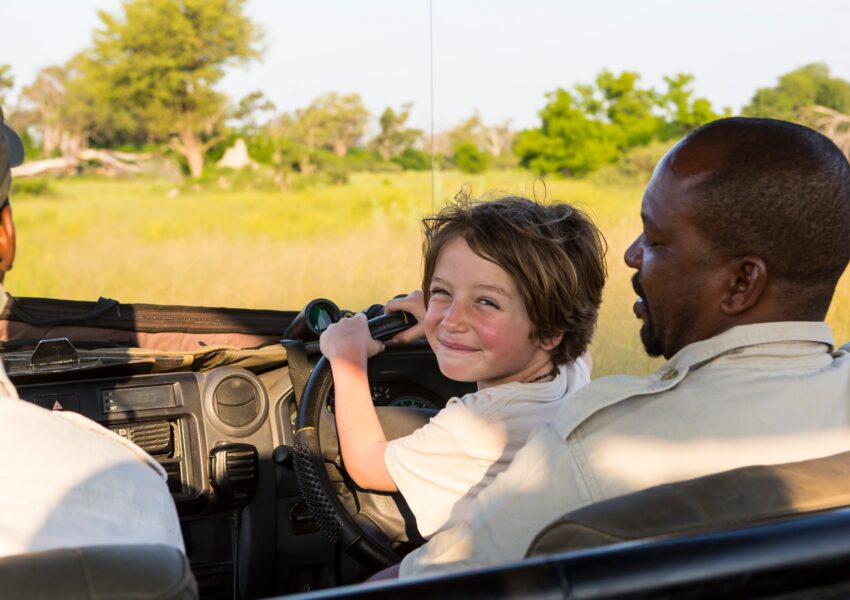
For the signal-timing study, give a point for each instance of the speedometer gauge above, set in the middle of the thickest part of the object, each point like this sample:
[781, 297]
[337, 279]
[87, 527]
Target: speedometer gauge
[414, 401]
[381, 395]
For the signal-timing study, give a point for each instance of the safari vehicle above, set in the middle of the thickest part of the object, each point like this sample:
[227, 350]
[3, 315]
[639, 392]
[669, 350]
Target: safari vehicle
[238, 407]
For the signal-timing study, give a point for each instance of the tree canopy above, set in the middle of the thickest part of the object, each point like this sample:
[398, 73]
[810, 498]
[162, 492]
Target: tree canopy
[810, 85]
[157, 65]
[595, 123]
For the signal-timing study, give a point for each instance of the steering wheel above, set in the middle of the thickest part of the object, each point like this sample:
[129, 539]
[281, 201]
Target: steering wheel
[373, 527]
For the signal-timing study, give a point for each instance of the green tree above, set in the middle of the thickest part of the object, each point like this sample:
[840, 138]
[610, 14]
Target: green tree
[597, 123]
[682, 113]
[160, 62]
[810, 85]
[618, 100]
[61, 110]
[247, 111]
[395, 137]
[333, 121]
[569, 141]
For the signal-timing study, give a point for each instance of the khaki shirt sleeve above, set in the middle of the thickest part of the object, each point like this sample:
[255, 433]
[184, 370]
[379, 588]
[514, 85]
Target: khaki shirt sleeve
[506, 516]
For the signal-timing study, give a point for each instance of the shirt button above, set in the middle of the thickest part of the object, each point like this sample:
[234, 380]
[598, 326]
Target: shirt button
[669, 374]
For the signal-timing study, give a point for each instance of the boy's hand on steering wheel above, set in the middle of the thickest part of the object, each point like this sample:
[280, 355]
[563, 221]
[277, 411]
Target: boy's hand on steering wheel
[349, 339]
[414, 303]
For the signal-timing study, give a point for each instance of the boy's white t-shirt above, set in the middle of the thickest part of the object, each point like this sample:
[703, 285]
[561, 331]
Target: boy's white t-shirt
[440, 467]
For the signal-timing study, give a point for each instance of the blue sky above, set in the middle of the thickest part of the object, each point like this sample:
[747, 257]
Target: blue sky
[497, 56]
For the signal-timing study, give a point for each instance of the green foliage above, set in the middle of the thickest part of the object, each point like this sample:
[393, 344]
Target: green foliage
[628, 108]
[395, 137]
[36, 186]
[635, 166]
[682, 113]
[569, 141]
[155, 68]
[333, 122]
[806, 86]
[361, 159]
[469, 159]
[594, 125]
[413, 160]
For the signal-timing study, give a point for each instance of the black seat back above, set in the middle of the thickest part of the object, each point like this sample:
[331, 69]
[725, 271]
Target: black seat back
[119, 572]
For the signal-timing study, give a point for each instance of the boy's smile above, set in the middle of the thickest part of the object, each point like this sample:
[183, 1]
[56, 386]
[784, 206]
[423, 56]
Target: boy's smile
[476, 322]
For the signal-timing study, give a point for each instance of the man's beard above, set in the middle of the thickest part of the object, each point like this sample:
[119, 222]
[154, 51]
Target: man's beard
[652, 343]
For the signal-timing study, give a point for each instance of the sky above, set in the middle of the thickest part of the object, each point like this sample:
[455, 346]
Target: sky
[499, 57]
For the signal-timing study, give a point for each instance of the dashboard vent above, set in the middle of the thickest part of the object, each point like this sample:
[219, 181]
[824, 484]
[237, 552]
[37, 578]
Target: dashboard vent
[153, 437]
[236, 402]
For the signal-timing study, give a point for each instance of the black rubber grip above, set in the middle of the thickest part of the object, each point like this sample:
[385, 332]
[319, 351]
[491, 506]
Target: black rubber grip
[384, 327]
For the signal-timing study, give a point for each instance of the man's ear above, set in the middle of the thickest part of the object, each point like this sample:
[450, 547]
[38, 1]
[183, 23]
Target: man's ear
[746, 284]
[7, 239]
[551, 342]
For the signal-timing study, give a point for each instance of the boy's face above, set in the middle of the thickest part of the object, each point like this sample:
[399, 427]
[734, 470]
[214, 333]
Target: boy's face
[476, 322]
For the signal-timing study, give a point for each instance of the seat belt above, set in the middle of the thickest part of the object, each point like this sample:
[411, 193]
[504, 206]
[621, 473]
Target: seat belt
[299, 366]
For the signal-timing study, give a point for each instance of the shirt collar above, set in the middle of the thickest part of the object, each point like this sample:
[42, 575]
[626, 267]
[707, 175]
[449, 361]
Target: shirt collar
[698, 353]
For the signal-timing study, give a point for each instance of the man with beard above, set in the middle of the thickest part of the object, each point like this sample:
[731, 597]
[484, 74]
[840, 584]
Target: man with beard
[746, 232]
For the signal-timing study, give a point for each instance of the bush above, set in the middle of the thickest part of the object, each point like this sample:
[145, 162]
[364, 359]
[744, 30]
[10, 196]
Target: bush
[37, 186]
[361, 159]
[413, 160]
[469, 159]
[635, 166]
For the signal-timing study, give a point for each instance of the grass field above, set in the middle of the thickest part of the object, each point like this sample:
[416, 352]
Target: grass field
[355, 244]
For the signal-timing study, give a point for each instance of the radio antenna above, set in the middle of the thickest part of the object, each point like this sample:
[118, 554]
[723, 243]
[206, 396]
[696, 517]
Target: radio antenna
[431, 64]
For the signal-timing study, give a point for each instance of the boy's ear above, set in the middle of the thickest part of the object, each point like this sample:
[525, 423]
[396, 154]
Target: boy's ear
[551, 342]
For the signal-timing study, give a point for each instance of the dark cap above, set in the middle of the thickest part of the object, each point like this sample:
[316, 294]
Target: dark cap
[14, 145]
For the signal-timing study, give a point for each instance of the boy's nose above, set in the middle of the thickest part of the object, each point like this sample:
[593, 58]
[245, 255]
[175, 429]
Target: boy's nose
[455, 316]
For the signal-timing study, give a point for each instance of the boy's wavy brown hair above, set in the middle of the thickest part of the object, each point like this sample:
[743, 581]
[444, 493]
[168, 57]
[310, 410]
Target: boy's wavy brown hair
[553, 251]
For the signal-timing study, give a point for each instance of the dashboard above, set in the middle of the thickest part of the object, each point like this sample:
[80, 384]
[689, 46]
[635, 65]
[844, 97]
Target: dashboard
[179, 418]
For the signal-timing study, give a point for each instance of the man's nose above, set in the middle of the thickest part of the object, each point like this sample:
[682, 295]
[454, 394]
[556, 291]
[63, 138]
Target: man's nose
[634, 253]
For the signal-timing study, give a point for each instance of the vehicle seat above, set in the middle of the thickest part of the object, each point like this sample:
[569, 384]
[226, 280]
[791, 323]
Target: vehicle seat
[114, 571]
[746, 496]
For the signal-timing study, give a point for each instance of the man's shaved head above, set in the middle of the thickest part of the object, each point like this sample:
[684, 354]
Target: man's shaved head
[776, 190]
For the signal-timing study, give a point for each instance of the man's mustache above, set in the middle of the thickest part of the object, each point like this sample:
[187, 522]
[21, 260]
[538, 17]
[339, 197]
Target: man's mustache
[638, 288]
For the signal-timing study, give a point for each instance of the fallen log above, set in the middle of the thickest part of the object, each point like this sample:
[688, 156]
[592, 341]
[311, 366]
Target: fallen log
[114, 163]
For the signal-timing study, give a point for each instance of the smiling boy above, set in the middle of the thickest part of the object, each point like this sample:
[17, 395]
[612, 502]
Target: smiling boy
[512, 289]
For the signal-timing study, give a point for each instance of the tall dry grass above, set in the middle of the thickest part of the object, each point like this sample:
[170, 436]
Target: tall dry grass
[356, 244]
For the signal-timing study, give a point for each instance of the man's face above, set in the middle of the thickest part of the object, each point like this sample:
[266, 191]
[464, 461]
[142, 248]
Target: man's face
[679, 280]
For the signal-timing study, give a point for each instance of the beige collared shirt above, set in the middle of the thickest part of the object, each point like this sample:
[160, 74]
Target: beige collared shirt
[442, 466]
[756, 394]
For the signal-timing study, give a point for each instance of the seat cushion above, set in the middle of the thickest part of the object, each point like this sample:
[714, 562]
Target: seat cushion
[99, 572]
[746, 496]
